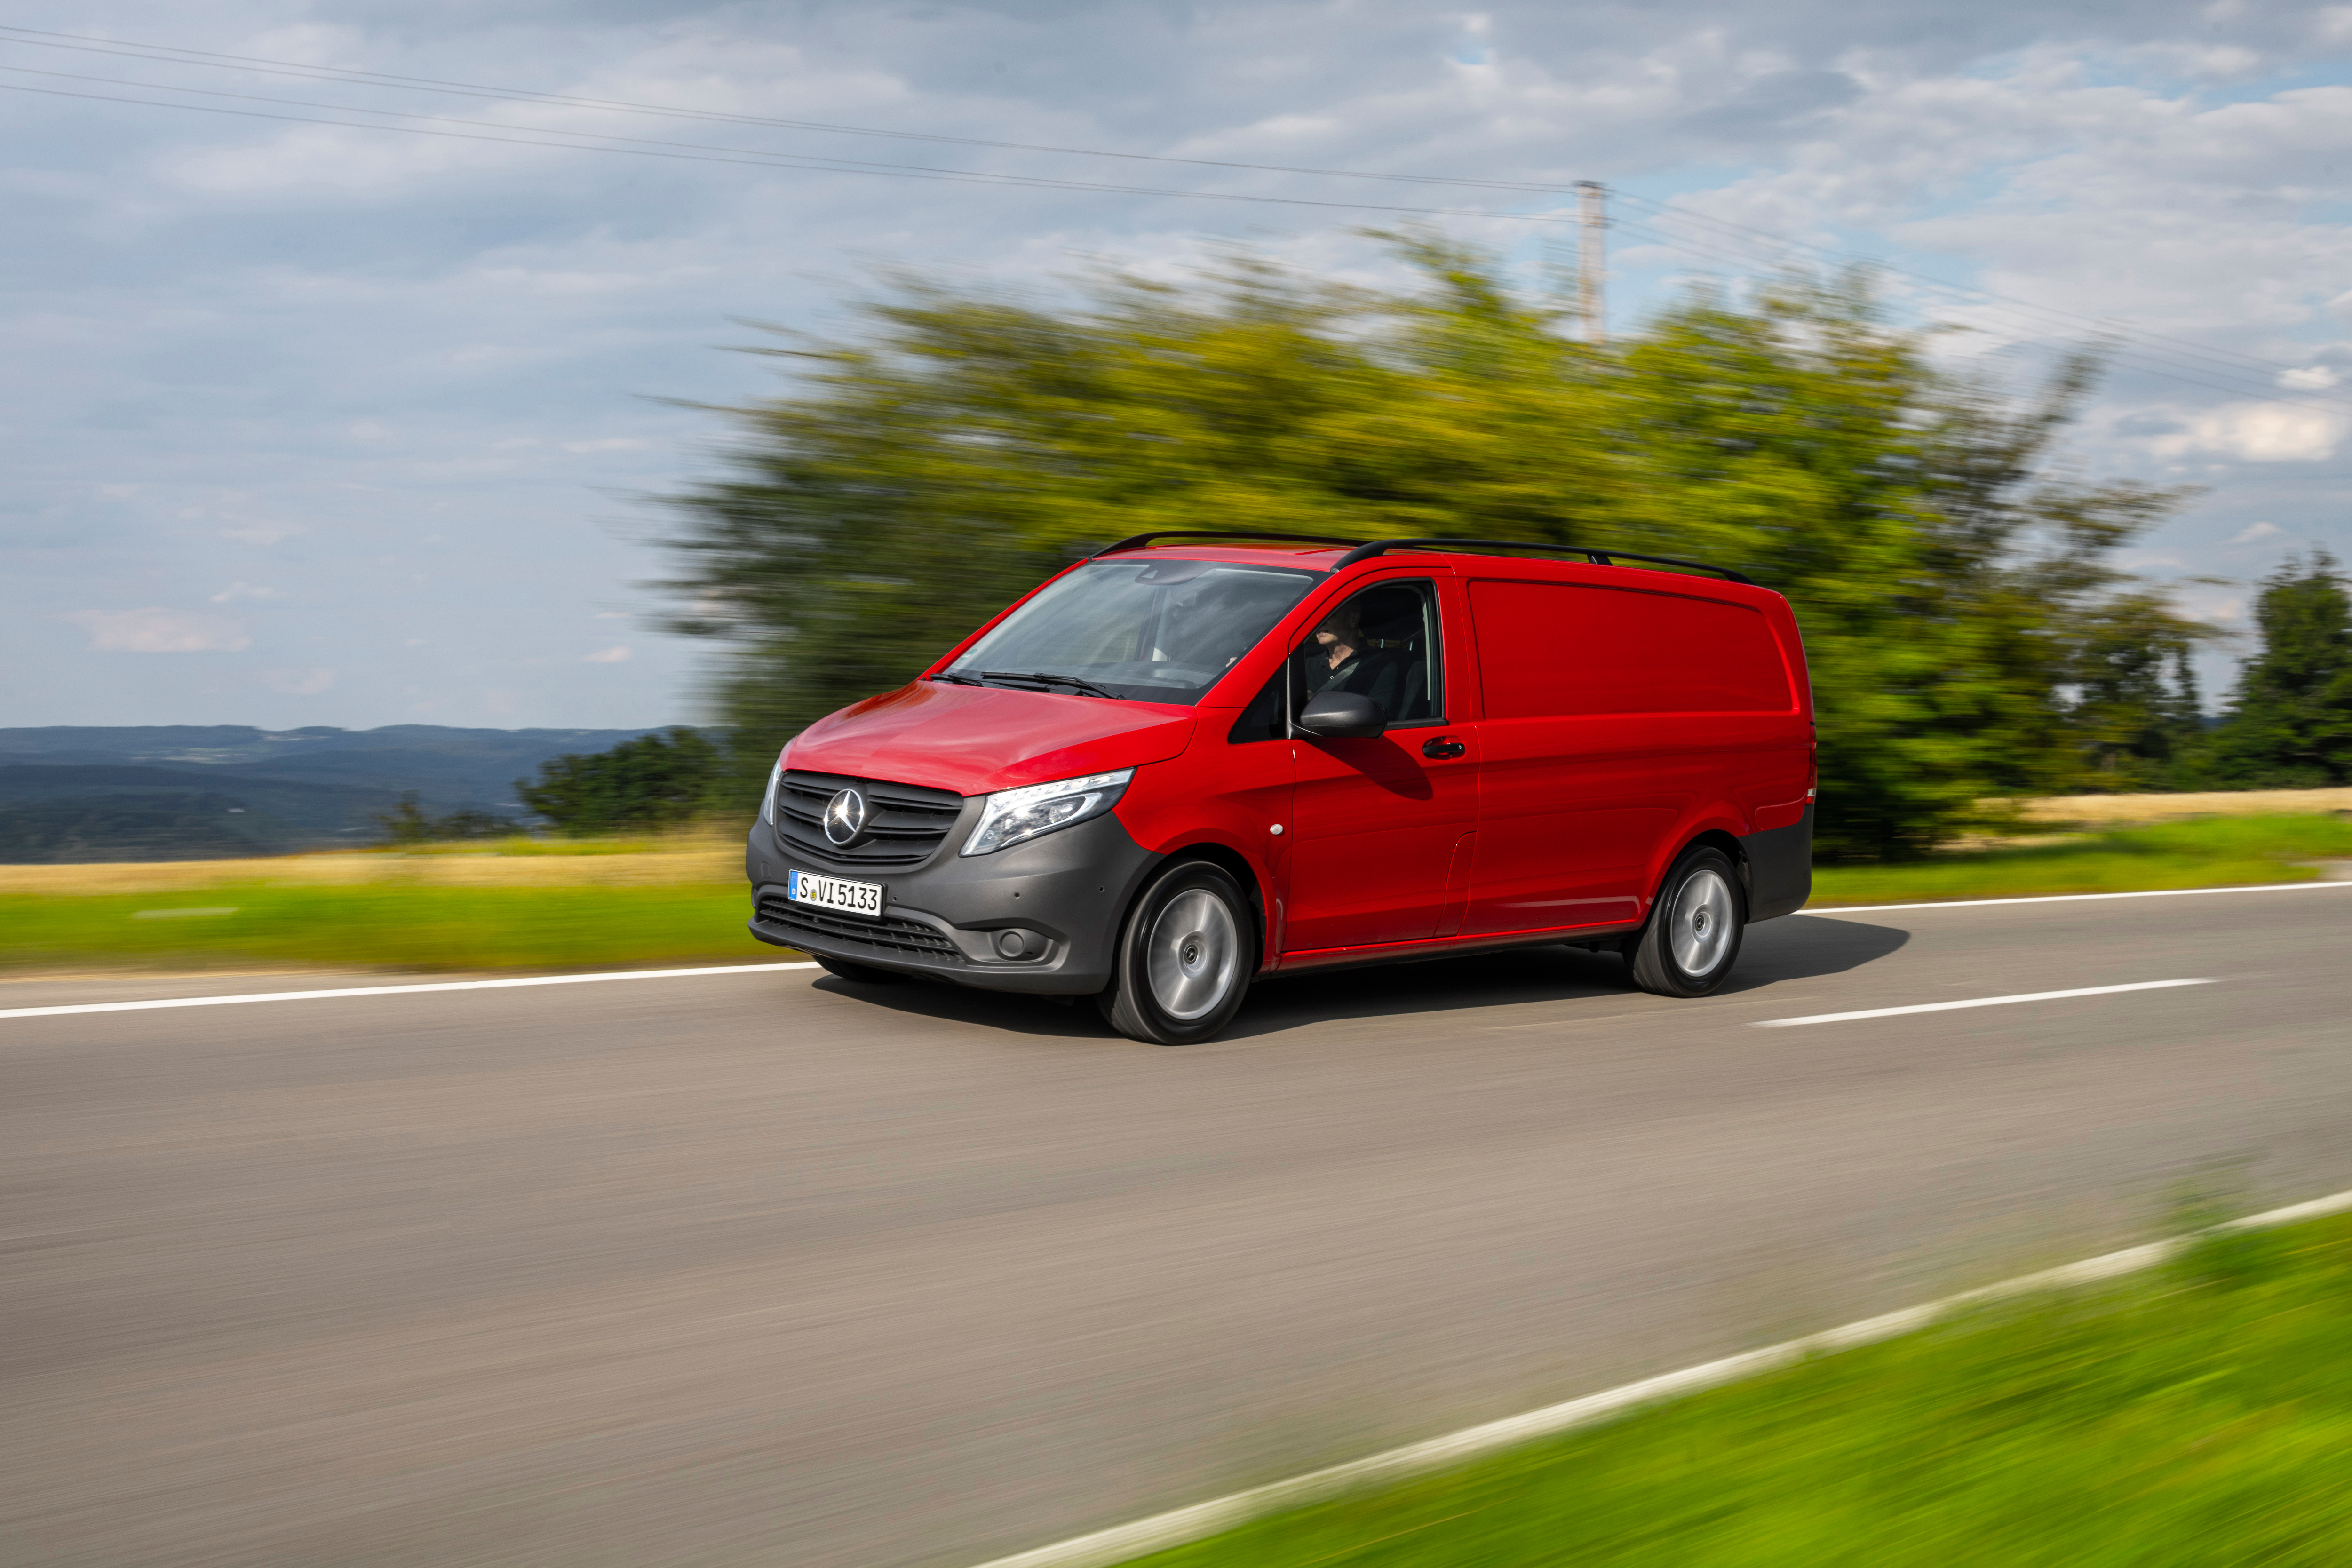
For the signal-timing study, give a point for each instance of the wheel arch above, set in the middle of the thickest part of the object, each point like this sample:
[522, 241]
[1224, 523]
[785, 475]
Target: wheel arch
[1716, 832]
[1235, 864]
[1717, 838]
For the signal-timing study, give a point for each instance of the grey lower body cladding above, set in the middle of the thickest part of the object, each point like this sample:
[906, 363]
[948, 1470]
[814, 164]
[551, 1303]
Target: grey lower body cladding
[1066, 892]
[1780, 868]
[1063, 892]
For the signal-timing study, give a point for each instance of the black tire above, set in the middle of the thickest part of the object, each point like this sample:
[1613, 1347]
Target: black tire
[1185, 959]
[1696, 927]
[860, 974]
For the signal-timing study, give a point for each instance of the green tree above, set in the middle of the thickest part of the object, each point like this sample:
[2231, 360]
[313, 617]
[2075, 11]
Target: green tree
[2136, 711]
[650, 782]
[1950, 577]
[2289, 722]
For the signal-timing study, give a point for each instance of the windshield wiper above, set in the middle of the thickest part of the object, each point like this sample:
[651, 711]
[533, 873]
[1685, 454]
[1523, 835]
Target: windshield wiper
[1046, 679]
[959, 679]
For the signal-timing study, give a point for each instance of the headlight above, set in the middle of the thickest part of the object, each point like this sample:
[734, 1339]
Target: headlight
[1015, 816]
[768, 801]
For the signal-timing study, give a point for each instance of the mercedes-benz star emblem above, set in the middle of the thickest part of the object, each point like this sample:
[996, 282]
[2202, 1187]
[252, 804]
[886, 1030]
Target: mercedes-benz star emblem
[844, 816]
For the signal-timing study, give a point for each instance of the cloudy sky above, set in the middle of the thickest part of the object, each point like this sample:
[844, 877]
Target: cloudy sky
[335, 424]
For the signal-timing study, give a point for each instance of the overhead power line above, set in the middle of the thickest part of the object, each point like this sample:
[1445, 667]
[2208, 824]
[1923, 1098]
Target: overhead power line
[1832, 253]
[174, 54]
[694, 153]
[170, 55]
[1730, 242]
[2157, 354]
[2154, 360]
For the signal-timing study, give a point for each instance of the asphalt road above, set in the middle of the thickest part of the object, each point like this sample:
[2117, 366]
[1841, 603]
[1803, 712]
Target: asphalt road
[770, 1269]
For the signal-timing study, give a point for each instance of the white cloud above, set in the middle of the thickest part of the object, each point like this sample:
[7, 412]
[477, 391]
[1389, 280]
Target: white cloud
[297, 683]
[2308, 378]
[2258, 532]
[609, 444]
[2214, 606]
[156, 630]
[618, 654]
[237, 591]
[248, 532]
[2259, 433]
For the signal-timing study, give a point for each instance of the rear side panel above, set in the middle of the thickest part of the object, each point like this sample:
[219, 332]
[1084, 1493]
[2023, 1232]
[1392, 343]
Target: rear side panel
[1624, 713]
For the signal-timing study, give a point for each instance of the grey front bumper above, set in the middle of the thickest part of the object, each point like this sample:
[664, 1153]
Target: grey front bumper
[939, 919]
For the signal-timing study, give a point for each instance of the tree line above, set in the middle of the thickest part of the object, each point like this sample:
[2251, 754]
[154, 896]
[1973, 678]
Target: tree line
[1970, 631]
[663, 779]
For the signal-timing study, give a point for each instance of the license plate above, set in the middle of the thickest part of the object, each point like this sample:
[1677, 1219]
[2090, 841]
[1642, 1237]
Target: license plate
[833, 893]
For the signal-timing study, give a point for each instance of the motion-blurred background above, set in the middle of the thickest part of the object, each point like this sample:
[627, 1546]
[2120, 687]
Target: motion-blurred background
[356, 343]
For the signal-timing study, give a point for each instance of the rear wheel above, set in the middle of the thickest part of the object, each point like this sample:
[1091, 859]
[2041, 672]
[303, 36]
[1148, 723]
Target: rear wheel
[862, 974]
[1184, 960]
[1695, 927]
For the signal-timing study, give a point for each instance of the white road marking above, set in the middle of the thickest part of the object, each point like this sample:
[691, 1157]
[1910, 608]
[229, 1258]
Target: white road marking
[2072, 898]
[733, 968]
[1125, 1542]
[394, 990]
[1976, 1002]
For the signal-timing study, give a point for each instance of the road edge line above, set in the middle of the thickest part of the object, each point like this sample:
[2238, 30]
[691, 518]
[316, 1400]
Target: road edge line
[69, 1008]
[1180, 1527]
[1829, 909]
[2071, 898]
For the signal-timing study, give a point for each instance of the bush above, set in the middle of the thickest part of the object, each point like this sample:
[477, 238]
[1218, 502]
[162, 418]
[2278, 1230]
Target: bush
[406, 824]
[645, 785]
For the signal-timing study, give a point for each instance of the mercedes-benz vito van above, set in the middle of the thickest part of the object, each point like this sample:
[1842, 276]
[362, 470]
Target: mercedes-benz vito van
[1193, 761]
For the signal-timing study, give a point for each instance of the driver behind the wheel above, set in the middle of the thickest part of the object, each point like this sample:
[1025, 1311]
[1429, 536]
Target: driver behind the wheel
[1336, 651]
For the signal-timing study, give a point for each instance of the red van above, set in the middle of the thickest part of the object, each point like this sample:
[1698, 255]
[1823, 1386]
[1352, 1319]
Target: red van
[1194, 760]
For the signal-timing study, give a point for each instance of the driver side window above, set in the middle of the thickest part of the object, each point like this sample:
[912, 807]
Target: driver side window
[1380, 643]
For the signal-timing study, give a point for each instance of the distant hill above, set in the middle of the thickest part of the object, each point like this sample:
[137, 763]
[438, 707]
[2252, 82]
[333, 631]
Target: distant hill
[185, 792]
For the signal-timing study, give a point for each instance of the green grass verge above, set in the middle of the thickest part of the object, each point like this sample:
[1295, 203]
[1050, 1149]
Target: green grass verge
[2199, 1415]
[2218, 852]
[385, 925]
[420, 925]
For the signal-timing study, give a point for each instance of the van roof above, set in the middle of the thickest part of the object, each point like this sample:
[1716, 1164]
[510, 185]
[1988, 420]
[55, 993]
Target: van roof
[1347, 552]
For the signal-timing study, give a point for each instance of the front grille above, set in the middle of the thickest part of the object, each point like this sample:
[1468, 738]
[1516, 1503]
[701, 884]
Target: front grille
[891, 933]
[904, 823]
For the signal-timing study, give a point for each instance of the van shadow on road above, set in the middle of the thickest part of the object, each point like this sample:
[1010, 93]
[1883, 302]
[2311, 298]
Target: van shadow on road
[1806, 947]
[1798, 947]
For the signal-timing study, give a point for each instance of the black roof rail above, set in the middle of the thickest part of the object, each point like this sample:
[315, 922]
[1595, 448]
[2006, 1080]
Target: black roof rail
[1142, 540]
[1596, 556]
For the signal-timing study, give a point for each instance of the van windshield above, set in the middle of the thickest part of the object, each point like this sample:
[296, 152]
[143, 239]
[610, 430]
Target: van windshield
[1163, 631]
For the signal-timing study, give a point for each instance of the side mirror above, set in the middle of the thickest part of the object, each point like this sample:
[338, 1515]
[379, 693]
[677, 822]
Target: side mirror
[1341, 716]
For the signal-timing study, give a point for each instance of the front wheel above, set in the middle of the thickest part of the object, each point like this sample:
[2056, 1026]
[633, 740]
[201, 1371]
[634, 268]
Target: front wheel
[1184, 960]
[1695, 927]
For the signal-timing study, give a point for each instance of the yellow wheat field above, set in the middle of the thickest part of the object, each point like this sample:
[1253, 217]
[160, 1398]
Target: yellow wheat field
[713, 857]
[2138, 810]
[670, 862]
